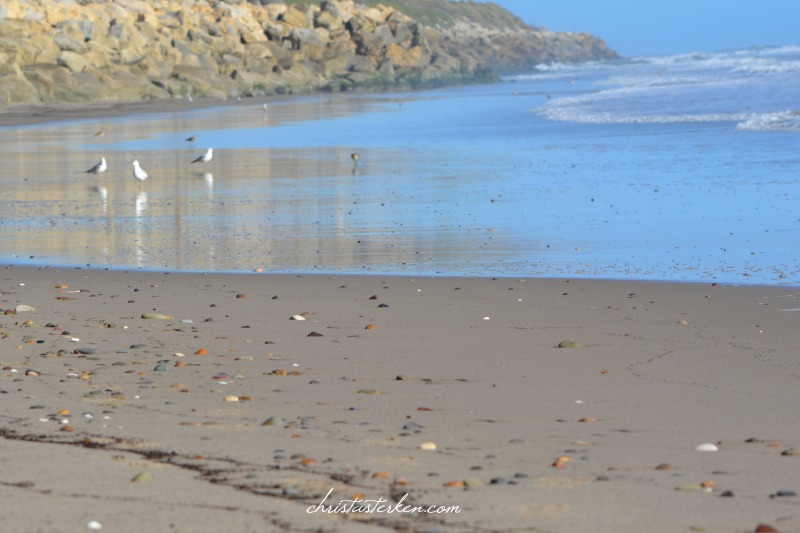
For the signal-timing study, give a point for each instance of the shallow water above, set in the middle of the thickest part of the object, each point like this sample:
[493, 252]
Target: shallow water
[481, 180]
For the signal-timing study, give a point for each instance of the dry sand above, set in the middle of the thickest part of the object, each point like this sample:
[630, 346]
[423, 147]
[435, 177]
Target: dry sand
[528, 436]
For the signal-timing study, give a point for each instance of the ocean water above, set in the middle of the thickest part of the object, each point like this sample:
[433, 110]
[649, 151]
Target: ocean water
[682, 168]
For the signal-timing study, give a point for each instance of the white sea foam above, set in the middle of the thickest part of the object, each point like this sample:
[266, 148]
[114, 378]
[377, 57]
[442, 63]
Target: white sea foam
[780, 121]
[752, 88]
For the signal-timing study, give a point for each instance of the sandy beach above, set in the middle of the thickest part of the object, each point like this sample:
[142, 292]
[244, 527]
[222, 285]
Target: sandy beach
[138, 401]
[422, 311]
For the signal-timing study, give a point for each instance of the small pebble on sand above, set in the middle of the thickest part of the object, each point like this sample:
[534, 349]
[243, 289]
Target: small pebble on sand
[706, 447]
[569, 344]
[142, 477]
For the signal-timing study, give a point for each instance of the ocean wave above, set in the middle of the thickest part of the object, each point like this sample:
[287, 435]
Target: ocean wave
[692, 68]
[764, 66]
[780, 121]
[740, 62]
[638, 81]
[743, 87]
[577, 67]
[581, 116]
[783, 121]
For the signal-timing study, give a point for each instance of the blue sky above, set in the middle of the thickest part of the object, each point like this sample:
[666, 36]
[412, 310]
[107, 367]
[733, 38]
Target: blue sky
[660, 27]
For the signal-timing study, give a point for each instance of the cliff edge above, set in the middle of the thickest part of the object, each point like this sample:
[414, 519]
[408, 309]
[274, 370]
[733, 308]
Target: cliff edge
[82, 50]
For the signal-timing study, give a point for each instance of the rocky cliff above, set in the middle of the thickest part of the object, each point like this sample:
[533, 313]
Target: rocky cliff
[82, 50]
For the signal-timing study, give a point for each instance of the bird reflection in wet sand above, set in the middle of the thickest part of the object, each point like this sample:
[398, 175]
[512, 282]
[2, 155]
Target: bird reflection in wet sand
[140, 204]
[103, 192]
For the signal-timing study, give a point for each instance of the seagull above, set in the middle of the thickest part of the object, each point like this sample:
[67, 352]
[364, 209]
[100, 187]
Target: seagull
[99, 168]
[206, 157]
[138, 173]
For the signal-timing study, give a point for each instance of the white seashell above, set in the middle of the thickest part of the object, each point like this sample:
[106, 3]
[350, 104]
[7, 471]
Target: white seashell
[231, 398]
[428, 446]
[486, 318]
[95, 525]
[297, 317]
[706, 447]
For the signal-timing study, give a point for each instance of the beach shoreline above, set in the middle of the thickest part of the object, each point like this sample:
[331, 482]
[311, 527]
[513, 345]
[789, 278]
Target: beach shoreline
[195, 401]
[55, 112]
[283, 194]
[141, 399]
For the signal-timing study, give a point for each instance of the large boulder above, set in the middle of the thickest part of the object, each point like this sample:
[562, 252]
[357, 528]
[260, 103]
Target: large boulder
[407, 58]
[73, 61]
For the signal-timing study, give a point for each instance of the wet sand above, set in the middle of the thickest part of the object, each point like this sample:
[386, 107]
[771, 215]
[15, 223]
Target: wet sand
[112, 419]
[18, 115]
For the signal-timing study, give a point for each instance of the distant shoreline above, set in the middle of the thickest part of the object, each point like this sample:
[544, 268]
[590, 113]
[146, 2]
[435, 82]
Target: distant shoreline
[47, 112]
[30, 114]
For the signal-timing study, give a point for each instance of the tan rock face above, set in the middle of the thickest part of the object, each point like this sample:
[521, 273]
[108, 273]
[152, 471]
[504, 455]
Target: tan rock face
[80, 50]
[404, 58]
[296, 18]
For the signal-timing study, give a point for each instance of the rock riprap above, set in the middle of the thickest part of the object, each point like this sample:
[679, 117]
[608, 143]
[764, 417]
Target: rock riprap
[80, 51]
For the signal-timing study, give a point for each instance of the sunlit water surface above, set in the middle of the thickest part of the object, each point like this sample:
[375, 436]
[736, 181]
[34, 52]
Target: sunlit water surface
[680, 168]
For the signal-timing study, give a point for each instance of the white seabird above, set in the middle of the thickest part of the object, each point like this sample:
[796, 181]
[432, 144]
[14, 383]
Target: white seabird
[206, 157]
[99, 168]
[139, 173]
